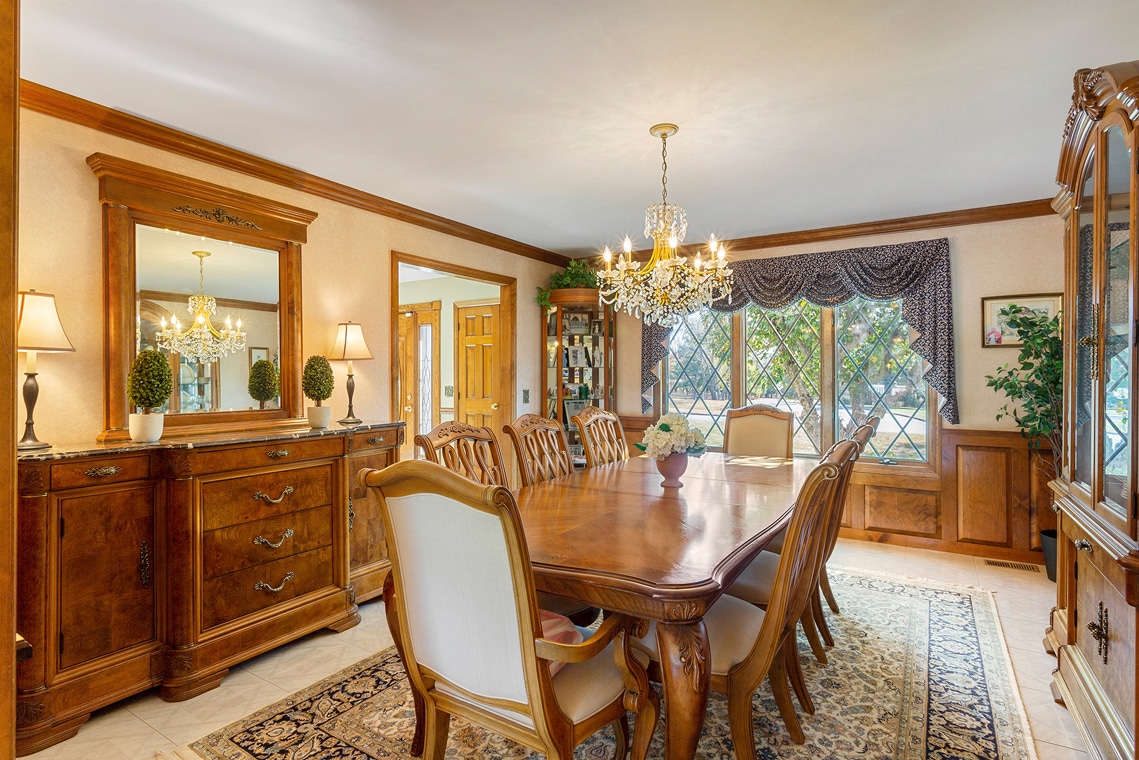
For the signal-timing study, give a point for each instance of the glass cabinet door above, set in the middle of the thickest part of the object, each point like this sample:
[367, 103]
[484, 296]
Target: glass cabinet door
[1086, 325]
[1118, 319]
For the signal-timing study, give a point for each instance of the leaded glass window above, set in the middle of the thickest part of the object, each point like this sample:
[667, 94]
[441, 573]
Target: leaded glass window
[698, 379]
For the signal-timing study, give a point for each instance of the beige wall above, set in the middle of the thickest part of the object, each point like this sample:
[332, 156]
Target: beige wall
[345, 271]
[1001, 258]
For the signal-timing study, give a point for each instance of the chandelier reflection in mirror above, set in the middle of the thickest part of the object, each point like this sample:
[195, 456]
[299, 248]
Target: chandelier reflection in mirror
[201, 341]
[666, 288]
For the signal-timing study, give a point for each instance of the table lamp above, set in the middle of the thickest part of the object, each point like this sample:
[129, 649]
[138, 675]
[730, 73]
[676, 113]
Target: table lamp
[39, 331]
[349, 346]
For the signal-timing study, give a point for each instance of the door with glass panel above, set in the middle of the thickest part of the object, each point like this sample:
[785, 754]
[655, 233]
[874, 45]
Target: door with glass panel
[418, 371]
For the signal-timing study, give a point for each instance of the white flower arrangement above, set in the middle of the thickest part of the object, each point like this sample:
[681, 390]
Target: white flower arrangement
[671, 435]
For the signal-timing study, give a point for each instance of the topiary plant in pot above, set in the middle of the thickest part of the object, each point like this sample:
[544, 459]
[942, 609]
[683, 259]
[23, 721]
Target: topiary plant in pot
[1034, 387]
[264, 383]
[149, 384]
[576, 275]
[316, 384]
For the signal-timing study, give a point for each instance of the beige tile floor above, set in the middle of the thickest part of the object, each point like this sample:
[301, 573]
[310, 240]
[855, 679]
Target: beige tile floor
[136, 728]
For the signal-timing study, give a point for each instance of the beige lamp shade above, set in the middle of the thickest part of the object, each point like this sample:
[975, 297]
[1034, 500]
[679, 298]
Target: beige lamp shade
[349, 343]
[40, 329]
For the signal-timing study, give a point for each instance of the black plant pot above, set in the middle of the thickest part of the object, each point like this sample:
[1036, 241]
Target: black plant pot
[1048, 544]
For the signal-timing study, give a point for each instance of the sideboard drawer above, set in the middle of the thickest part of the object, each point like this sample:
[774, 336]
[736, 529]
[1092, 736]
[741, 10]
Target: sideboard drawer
[261, 455]
[231, 596]
[94, 472]
[376, 439]
[229, 501]
[253, 543]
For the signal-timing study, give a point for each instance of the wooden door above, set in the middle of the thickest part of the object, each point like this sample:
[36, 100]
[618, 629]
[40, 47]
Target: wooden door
[478, 396]
[417, 354]
[107, 562]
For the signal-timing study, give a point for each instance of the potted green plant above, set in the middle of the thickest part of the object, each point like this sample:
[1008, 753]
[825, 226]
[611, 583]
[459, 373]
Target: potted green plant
[1034, 387]
[264, 383]
[577, 275]
[149, 384]
[316, 384]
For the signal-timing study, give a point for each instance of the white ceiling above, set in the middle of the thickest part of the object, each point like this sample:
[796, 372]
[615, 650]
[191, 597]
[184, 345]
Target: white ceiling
[530, 119]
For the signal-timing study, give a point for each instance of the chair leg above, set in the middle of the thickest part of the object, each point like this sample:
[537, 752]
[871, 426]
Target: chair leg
[820, 618]
[739, 719]
[438, 725]
[778, 679]
[644, 725]
[808, 621]
[825, 585]
[795, 675]
[621, 731]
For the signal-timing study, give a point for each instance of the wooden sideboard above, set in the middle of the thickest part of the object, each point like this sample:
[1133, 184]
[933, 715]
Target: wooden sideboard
[166, 564]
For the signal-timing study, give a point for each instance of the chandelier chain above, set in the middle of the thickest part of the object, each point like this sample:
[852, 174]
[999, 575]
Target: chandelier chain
[664, 169]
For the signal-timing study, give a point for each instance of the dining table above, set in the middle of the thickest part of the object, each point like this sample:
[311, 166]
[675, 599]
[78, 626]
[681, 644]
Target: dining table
[613, 536]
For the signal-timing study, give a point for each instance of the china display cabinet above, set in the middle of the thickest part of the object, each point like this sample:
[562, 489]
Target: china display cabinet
[580, 367]
[1093, 625]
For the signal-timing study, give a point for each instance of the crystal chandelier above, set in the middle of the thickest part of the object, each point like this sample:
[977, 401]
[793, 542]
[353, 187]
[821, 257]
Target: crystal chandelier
[201, 341]
[666, 288]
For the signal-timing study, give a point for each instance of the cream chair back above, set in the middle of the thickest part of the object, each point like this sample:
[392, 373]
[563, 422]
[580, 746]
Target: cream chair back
[759, 431]
[602, 436]
[541, 448]
[470, 451]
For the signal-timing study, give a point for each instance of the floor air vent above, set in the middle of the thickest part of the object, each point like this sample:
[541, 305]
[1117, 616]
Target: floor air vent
[1013, 565]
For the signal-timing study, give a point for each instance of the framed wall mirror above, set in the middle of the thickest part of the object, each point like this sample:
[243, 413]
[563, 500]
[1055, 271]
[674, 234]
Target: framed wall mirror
[169, 239]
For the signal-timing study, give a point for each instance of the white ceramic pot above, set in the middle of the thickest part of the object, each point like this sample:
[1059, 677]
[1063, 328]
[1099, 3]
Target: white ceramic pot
[146, 428]
[319, 416]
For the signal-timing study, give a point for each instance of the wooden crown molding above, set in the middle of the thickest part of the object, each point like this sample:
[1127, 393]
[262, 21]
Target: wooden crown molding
[60, 105]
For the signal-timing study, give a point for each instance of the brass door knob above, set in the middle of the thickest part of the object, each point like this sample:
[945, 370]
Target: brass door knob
[494, 406]
[407, 408]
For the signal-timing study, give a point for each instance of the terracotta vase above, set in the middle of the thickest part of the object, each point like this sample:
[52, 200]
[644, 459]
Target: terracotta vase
[672, 467]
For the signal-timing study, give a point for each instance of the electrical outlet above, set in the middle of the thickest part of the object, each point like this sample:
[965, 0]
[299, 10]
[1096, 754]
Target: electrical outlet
[526, 396]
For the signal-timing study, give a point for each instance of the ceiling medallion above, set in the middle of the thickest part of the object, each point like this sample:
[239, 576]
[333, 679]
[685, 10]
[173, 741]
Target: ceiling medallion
[666, 288]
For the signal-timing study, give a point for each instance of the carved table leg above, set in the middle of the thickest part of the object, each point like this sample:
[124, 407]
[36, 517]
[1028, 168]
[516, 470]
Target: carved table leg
[416, 699]
[685, 666]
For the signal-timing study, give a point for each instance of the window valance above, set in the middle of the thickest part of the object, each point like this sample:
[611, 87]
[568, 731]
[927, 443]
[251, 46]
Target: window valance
[917, 273]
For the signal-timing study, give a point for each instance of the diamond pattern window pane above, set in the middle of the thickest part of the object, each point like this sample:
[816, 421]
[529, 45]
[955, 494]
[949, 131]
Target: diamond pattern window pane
[879, 374]
[698, 378]
[783, 369]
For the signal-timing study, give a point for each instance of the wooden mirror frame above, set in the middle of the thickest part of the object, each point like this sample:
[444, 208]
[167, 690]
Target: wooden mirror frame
[132, 193]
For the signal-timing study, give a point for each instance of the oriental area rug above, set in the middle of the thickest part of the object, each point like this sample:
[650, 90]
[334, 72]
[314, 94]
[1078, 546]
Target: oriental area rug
[919, 670]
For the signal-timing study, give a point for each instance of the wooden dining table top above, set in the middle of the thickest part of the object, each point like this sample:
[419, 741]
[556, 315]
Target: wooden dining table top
[613, 536]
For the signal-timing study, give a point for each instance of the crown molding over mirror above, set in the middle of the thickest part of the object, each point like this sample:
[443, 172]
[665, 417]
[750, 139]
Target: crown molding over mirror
[37, 97]
[133, 193]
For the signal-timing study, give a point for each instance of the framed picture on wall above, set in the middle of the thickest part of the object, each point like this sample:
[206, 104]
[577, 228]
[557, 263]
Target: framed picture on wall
[995, 330]
[256, 354]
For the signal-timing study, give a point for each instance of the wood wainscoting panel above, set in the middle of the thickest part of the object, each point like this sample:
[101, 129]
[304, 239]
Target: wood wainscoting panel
[902, 510]
[983, 484]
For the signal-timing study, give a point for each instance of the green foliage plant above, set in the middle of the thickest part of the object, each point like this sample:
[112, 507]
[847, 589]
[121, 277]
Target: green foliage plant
[577, 275]
[150, 380]
[264, 383]
[316, 380]
[1034, 383]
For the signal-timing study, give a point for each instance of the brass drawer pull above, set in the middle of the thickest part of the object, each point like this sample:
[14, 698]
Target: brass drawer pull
[102, 472]
[263, 586]
[259, 495]
[1100, 631]
[262, 541]
[376, 439]
[1082, 544]
[277, 453]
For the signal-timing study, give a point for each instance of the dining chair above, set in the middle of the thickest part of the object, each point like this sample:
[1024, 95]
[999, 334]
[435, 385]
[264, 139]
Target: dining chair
[543, 454]
[602, 436]
[541, 447]
[759, 431]
[747, 644]
[469, 628]
[465, 449]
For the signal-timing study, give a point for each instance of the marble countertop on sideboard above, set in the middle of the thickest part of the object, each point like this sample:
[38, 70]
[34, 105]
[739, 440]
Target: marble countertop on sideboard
[301, 430]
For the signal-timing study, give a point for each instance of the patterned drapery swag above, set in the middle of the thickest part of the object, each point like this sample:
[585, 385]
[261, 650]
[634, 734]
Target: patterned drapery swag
[917, 272]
